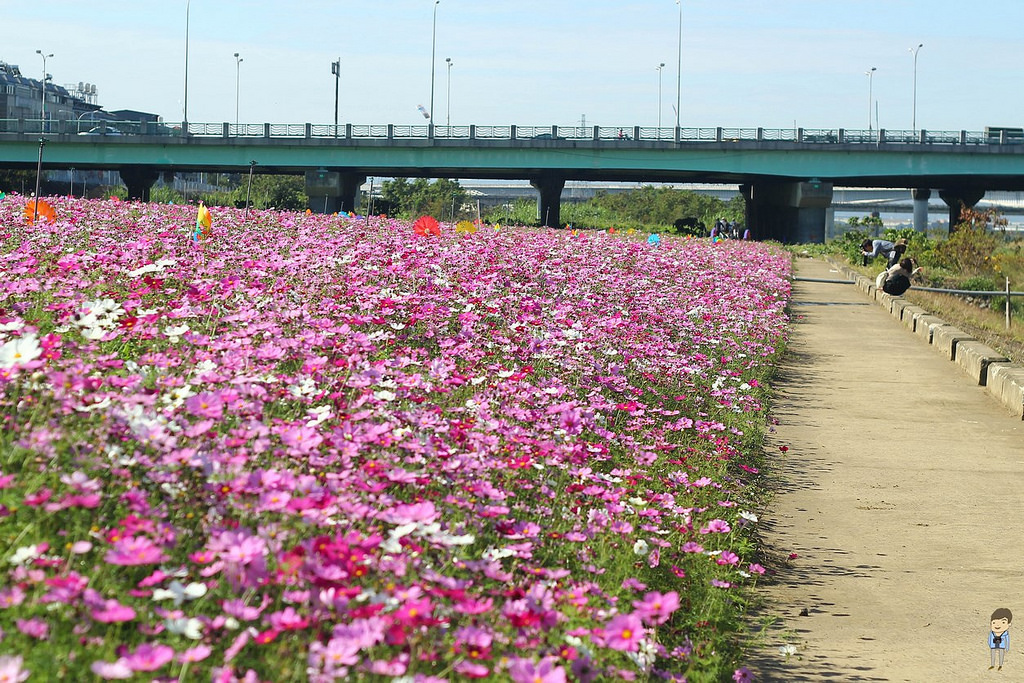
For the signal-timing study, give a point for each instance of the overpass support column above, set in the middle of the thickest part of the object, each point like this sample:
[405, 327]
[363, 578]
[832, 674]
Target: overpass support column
[921, 197]
[350, 184]
[549, 204]
[139, 180]
[957, 200]
[788, 212]
[332, 191]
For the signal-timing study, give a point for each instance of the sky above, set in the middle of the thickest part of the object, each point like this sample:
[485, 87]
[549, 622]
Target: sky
[744, 63]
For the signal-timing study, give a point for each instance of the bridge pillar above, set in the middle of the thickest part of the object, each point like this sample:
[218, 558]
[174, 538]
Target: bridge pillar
[350, 184]
[788, 212]
[332, 191]
[549, 204]
[957, 201]
[921, 195]
[139, 180]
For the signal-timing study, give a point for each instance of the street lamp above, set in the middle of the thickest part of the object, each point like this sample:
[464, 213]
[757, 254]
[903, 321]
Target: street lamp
[42, 125]
[185, 117]
[433, 45]
[448, 98]
[659, 68]
[238, 65]
[914, 50]
[870, 74]
[336, 71]
[679, 66]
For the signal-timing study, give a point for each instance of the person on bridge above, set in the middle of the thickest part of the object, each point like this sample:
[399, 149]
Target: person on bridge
[869, 249]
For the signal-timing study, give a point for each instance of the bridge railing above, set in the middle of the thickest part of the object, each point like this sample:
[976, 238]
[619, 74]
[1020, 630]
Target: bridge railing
[533, 134]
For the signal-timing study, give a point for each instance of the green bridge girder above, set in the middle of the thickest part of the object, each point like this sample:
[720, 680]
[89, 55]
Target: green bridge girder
[788, 183]
[995, 167]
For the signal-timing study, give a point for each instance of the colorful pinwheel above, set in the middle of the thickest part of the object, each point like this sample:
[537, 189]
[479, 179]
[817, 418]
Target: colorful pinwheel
[426, 225]
[44, 211]
[465, 227]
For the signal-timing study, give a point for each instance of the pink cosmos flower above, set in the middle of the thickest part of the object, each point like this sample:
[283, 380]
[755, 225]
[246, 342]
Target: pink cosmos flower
[301, 439]
[207, 404]
[716, 526]
[33, 628]
[656, 608]
[195, 654]
[624, 632]
[11, 597]
[134, 550]
[691, 547]
[11, 669]
[727, 557]
[112, 611]
[743, 675]
[148, 657]
[545, 671]
[111, 671]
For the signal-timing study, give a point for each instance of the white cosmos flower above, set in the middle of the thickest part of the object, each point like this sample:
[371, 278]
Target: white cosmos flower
[174, 332]
[19, 351]
[190, 628]
[179, 592]
[24, 554]
[640, 547]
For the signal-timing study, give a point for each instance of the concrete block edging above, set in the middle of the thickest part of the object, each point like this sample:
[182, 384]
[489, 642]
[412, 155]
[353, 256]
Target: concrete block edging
[1002, 379]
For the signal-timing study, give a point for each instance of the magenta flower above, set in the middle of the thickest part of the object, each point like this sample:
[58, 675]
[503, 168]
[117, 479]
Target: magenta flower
[624, 632]
[134, 550]
[716, 526]
[112, 611]
[207, 404]
[147, 657]
[33, 628]
[743, 675]
[656, 608]
[545, 671]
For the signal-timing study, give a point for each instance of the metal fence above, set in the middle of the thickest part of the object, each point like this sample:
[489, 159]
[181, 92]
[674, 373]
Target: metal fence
[537, 134]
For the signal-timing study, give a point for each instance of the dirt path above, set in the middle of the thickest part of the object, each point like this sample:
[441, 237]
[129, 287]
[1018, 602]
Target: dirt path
[901, 498]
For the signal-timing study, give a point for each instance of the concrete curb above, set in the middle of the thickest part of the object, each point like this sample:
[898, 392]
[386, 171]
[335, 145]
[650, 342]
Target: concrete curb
[990, 369]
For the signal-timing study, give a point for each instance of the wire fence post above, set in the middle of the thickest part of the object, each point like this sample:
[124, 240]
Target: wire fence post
[1007, 303]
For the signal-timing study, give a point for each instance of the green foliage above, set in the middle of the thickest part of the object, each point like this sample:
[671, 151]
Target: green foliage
[442, 199]
[968, 251]
[519, 212]
[163, 194]
[17, 181]
[269, 192]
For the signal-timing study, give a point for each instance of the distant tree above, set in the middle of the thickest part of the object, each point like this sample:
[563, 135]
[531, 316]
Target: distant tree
[442, 198]
[273, 191]
[23, 182]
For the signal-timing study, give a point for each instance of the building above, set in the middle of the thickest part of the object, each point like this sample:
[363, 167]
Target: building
[22, 98]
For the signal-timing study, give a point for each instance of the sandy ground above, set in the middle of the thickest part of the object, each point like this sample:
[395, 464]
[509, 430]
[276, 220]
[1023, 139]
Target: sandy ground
[896, 526]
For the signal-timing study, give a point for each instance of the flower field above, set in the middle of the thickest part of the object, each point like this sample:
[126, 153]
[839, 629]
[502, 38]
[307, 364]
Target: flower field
[330, 448]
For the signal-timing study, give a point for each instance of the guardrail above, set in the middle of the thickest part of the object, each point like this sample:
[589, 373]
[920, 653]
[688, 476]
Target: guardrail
[554, 134]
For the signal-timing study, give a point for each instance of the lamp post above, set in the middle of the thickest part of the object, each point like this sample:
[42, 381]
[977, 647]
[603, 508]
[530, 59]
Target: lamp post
[433, 45]
[914, 51]
[448, 97]
[185, 104]
[238, 65]
[42, 125]
[336, 70]
[679, 65]
[870, 74]
[659, 68]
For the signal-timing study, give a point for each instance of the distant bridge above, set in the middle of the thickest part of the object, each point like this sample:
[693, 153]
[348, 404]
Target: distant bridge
[786, 175]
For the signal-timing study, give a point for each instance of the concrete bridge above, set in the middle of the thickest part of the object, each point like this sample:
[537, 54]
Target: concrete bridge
[786, 175]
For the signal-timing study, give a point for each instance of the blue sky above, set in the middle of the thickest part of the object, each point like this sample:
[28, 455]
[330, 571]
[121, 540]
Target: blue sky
[745, 63]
